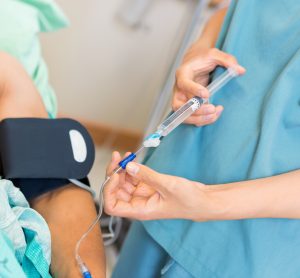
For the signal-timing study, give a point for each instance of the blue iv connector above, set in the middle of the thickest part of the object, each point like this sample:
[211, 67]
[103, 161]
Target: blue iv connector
[126, 160]
[86, 274]
[84, 270]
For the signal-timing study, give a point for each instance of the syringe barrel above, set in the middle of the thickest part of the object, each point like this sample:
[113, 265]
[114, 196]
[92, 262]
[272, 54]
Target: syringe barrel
[180, 115]
[186, 110]
[221, 80]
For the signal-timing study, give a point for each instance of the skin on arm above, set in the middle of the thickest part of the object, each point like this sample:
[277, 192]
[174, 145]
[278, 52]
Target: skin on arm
[211, 30]
[68, 210]
[271, 197]
[18, 95]
[144, 194]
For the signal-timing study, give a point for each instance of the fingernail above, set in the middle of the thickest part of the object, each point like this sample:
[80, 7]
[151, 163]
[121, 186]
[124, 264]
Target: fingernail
[132, 168]
[203, 92]
[240, 69]
[219, 113]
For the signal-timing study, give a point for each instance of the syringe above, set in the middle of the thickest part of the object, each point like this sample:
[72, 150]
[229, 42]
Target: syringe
[179, 116]
[186, 110]
[153, 140]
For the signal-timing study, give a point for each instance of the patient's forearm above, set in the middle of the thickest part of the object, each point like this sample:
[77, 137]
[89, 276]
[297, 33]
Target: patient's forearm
[69, 211]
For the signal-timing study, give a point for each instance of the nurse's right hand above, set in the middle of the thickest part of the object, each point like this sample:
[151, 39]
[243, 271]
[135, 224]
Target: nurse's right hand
[144, 194]
[192, 78]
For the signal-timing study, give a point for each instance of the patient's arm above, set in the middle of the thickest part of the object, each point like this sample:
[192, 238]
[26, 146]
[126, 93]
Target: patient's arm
[68, 210]
[18, 95]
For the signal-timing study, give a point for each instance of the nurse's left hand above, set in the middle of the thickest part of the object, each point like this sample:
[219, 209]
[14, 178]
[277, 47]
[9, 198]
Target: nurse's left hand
[144, 194]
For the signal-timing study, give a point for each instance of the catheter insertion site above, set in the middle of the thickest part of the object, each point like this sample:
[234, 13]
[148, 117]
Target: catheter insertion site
[153, 140]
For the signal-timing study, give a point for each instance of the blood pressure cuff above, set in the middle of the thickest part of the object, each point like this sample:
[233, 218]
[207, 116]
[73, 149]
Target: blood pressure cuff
[32, 188]
[33, 149]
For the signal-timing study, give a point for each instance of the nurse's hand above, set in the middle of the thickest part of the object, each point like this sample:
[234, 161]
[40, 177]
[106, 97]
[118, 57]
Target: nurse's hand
[192, 77]
[144, 194]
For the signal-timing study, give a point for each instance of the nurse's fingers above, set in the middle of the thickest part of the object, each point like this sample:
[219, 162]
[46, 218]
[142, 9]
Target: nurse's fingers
[139, 208]
[122, 186]
[115, 159]
[186, 73]
[109, 192]
[123, 195]
[226, 60]
[201, 120]
[129, 187]
[180, 99]
[114, 163]
[121, 208]
[185, 83]
[144, 191]
[204, 109]
[206, 114]
[131, 180]
[123, 173]
[151, 178]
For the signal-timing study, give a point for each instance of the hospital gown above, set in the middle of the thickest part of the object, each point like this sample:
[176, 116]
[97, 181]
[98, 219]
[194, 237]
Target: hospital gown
[21, 21]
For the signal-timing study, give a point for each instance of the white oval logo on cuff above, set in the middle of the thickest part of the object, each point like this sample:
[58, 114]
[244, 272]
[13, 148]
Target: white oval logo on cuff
[78, 145]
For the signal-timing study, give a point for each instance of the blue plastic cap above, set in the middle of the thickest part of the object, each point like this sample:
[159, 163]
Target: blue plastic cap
[153, 136]
[86, 274]
[126, 160]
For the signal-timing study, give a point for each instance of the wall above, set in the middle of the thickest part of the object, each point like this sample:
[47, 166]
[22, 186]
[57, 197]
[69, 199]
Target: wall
[105, 72]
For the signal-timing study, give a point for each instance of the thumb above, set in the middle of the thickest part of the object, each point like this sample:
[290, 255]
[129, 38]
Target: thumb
[149, 176]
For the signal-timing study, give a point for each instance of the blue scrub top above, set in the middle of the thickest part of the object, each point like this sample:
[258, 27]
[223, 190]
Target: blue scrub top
[258, 135]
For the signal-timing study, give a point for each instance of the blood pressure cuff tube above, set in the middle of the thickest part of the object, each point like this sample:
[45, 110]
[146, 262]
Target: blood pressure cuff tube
[42, 154]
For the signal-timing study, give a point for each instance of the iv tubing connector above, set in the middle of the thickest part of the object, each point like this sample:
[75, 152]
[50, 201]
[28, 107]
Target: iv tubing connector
[126, 160]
